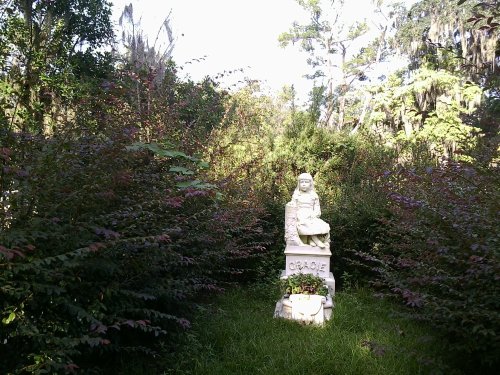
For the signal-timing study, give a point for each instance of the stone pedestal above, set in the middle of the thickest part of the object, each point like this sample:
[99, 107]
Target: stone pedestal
[313, 309]
[309, 259]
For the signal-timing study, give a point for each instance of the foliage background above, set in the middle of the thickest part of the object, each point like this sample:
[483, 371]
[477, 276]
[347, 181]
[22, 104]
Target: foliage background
[129, 196]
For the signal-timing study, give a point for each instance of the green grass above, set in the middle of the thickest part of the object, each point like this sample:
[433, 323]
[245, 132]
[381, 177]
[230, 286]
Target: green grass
[238, 335]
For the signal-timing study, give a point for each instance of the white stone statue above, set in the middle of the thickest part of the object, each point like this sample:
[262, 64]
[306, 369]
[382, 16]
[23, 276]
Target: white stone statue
[307, 251]
[302, 223]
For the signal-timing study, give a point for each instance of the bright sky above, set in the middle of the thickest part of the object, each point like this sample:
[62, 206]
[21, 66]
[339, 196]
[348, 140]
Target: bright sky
[235, 34]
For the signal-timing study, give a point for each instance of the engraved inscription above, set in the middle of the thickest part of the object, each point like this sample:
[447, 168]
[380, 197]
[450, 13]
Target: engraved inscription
[307, 265]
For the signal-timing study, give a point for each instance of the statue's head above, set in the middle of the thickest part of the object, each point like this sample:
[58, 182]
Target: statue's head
[305, 182]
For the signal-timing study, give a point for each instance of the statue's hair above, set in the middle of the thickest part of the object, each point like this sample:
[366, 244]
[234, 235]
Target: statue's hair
[305, 176]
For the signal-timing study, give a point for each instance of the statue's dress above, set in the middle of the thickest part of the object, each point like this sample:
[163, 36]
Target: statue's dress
[308, 213]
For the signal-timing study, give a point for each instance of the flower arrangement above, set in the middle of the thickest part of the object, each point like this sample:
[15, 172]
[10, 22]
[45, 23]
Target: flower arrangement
[302, 283]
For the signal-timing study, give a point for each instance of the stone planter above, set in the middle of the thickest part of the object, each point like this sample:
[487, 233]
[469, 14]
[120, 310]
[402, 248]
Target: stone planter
[305, 308]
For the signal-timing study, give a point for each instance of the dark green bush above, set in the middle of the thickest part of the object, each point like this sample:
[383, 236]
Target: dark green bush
[116, 267]
[110, 236]
[439, 254]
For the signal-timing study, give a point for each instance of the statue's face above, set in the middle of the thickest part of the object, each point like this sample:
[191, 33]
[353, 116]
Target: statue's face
[304, 185]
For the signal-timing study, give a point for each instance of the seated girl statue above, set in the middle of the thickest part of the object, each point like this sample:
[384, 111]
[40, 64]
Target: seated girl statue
[305, 205]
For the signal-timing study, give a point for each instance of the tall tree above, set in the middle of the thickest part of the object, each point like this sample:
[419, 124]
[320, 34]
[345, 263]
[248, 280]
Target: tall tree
[144, 59]
[139, 53]
[44, 45]
[452, 34]
[334, 52]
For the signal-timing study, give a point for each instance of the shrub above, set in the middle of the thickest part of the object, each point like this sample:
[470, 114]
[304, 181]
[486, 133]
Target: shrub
[111, 235]
[440, 253]
[88, 283]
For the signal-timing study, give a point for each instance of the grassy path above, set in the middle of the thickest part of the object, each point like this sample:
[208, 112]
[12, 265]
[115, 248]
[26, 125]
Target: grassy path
[238, 335]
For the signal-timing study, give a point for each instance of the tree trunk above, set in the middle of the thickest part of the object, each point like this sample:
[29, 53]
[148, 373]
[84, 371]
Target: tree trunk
[408, 128]
[368, 96]
[343, 89]
[340, 122]
[366, 102]
[330, 118]
[25, 89]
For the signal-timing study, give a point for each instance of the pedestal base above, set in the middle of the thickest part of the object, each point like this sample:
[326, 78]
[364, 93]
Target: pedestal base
[314, 309]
